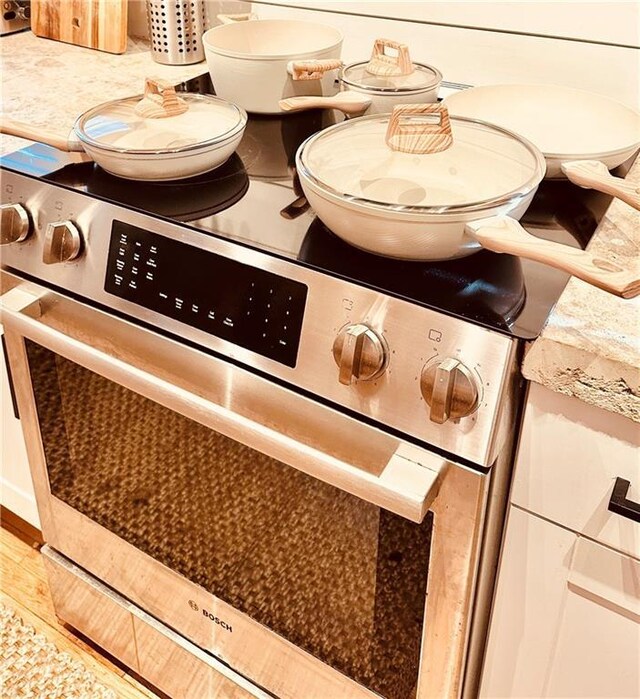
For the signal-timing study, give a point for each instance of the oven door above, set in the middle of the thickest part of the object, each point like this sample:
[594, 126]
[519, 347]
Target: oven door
[313, 553]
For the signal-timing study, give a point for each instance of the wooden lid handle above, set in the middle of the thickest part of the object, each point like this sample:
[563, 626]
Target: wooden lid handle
[389, 58]
[160, 100]
[312, 70]
[419, 128]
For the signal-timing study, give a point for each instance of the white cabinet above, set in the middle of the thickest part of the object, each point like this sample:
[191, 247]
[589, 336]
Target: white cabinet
[566, 615]
[566, 620]
[569, 457]
[16, 489]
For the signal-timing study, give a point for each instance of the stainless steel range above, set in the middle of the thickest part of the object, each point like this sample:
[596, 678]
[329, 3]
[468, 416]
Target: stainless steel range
[265, 462]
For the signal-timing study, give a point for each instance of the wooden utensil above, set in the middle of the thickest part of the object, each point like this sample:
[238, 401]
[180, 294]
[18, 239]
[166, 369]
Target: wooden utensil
[96, 24]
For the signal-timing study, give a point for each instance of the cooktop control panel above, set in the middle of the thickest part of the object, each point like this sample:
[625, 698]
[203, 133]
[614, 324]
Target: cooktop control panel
[250, 307]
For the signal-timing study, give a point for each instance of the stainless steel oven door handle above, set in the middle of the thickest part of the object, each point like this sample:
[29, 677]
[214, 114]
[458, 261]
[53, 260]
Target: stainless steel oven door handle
[299, 431]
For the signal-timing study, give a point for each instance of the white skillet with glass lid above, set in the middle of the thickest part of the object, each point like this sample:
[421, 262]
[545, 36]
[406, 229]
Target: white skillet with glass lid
[419, 185]
[157, 136]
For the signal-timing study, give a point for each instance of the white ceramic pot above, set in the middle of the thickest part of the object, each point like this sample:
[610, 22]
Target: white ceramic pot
[249, 61]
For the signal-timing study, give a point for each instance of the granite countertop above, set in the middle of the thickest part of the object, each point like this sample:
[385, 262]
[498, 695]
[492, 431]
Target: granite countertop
[49, 83]
[590, 345]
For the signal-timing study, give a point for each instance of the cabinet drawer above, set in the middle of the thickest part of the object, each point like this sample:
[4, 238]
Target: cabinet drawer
[566, 617]
[569, 457]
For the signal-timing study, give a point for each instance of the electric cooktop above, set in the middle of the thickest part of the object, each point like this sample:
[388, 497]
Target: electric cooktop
[255, 199]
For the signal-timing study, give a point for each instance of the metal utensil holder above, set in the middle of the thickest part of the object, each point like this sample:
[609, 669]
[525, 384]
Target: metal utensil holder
[175, 29]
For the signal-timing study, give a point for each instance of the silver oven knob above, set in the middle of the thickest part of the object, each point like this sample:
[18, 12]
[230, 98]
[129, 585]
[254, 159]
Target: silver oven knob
[62, 242]
[14, 223]
[449, 388]
[360, 353]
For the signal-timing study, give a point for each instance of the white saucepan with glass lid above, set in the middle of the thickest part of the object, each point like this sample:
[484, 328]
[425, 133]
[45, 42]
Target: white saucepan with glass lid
[376, 86]
[418, 185]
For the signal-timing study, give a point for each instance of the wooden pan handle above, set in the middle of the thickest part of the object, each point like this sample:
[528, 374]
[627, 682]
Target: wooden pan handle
[11, 127]
[349, 103]
[504, 234]
[419, 128]
[312, 70]
[160, 100]
[592, 174]
[383, 63]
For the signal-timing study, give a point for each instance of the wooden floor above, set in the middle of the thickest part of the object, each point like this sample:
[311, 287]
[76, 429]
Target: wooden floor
[23, 586]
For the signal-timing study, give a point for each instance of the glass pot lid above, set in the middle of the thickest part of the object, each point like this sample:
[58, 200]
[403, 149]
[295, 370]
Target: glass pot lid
[420, 160]
[390, 70]
[422, 78]
[160, 121]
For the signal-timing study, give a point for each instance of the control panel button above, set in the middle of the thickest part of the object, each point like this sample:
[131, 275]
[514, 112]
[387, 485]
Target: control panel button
[15, 223]
[449, 388]
[360, 353]
[62, 242]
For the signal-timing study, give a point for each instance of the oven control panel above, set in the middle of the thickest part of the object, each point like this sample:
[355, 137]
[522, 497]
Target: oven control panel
[436, 378]
[252, 308]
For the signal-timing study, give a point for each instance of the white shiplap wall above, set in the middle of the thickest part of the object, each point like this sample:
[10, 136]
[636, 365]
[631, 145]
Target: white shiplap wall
[587, 45]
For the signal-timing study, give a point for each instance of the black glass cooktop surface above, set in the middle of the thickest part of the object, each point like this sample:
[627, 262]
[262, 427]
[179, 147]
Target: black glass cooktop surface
[255, 199]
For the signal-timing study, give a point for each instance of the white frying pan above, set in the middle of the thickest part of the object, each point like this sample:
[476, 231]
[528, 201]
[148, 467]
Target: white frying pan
[582, 135]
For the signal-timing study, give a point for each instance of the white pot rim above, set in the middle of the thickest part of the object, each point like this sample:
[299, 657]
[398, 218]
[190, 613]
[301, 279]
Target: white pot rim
[337, 43]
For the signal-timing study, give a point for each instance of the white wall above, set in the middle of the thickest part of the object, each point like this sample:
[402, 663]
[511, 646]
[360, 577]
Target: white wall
[612, 22]
[588, 45]
[488, 42]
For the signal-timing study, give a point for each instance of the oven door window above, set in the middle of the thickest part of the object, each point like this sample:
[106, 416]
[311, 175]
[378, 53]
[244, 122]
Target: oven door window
[339, 577]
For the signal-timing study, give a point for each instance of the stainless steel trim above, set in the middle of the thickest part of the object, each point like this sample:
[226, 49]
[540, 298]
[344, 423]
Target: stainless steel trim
[91, 607]
[413, 334]
[459, 516]
[304, 434]
[161, 656]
